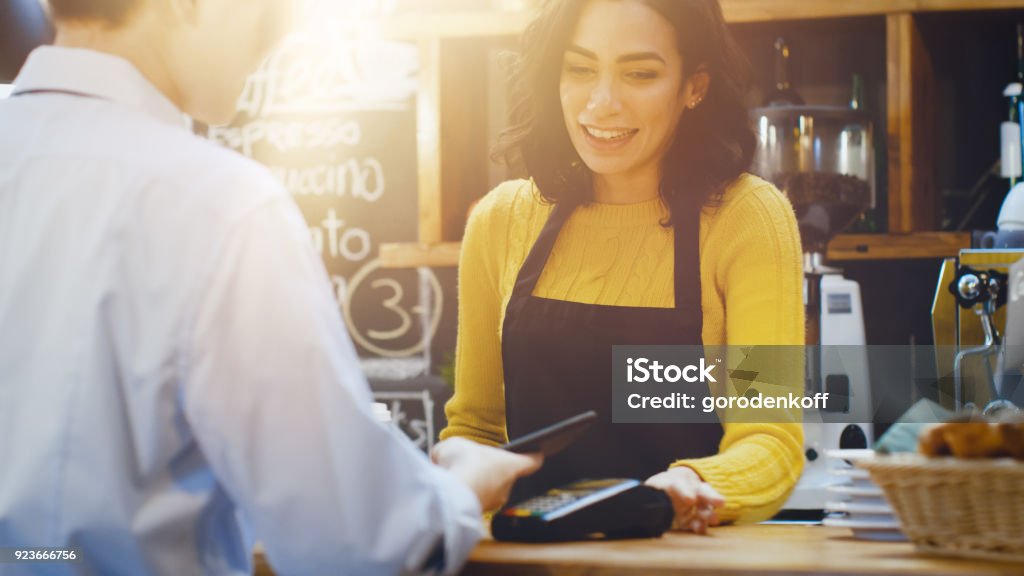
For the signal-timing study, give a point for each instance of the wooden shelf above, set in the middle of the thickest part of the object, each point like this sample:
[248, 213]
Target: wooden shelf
[414, 255]
[455, 25]
[770, 10]
[843, 247]
[486, 23]
[897, 246]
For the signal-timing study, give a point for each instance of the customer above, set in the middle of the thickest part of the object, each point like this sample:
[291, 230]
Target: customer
[639, 225]
[171, 357]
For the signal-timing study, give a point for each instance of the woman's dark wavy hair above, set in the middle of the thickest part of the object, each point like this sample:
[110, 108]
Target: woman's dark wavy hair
[714, 142]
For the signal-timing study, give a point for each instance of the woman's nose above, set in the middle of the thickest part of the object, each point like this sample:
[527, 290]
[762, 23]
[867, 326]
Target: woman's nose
[603, 97]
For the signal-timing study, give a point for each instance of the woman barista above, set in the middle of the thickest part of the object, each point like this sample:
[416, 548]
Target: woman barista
[638, 226]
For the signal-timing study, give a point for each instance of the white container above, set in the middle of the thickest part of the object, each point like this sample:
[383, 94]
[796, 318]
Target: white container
[1009, 136]
[381, 412]
[1011, 215]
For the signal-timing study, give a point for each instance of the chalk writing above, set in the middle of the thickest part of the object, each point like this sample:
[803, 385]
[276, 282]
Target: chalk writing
[361, 179]
[288, 135]
[376, 340]
[332, 117]
[419, 430]
[341, 241]
[309, 76]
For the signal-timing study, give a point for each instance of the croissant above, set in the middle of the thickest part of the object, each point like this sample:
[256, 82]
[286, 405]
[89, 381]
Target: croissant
[974, 439]
[1013, 438]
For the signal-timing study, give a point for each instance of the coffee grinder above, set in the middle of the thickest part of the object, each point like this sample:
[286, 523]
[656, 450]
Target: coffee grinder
[822, 158]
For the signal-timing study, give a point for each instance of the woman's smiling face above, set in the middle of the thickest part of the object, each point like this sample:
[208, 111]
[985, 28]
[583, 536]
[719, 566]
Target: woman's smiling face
[622, 88]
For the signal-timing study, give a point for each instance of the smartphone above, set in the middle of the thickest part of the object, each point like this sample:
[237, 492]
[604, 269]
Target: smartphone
[554, 438]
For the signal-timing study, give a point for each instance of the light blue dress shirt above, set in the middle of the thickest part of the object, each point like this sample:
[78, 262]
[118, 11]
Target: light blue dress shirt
[172, 358]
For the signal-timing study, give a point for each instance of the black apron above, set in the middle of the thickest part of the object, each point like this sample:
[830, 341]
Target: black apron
[557, 358]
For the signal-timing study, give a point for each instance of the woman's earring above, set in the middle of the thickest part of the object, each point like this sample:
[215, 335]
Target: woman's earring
[696, 102]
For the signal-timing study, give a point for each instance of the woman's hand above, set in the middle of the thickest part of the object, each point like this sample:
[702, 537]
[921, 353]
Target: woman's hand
[696, 503]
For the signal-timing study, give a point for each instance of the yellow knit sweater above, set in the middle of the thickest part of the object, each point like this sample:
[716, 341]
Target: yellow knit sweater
[620, 255]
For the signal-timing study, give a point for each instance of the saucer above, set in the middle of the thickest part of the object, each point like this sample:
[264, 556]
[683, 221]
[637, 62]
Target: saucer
[869, 530]
[852, 473]
[858, 507]
[872, 491]
[850, 455]
[890, 524]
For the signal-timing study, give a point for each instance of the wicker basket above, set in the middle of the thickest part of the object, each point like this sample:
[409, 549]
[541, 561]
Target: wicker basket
[956, 507]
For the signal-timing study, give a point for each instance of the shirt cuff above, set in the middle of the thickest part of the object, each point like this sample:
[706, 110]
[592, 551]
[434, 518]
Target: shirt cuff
[463, 527]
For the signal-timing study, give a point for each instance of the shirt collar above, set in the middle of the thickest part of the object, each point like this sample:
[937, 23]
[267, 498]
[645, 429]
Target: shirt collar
[96, 74]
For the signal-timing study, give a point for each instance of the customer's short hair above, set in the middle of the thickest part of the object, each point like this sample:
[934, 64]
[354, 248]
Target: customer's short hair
[109, 11]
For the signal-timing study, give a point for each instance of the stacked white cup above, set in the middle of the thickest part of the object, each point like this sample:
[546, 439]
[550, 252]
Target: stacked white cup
[857, 503]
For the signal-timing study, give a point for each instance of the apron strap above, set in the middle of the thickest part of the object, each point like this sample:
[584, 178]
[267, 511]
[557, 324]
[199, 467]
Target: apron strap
[533, 266]
[686, 265]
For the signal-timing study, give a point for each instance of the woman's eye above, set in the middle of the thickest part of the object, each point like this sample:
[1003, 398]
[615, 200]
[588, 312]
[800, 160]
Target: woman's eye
[577, 70]
[642, 74]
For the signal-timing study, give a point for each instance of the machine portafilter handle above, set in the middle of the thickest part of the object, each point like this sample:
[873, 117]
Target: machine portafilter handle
[984, 291]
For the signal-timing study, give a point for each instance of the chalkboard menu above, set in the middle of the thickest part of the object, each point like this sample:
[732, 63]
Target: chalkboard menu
[335, 122]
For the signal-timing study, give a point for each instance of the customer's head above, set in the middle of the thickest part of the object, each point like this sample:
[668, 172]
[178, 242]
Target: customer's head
[198, 52]
[613, 86]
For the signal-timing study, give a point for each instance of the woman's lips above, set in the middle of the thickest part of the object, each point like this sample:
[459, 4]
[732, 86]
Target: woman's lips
[607, 139]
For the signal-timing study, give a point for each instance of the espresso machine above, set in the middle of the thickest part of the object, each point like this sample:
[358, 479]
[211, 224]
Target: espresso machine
[969, 317]
[822, 158]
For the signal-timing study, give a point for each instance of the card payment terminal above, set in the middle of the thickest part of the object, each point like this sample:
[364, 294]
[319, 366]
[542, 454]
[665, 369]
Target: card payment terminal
[587, 509]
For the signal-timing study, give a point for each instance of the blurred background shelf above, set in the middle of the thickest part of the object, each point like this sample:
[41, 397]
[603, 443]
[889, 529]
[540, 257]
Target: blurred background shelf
[415, 26]
[843, 247]
[916, 245]
[455, 21]
[413, 255]
[768, 10]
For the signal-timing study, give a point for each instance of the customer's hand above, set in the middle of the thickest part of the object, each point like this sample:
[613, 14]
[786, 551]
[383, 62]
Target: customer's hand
[696, 503]
[489, 472]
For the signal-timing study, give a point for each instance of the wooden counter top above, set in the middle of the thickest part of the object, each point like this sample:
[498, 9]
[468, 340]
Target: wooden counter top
[728, 550]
